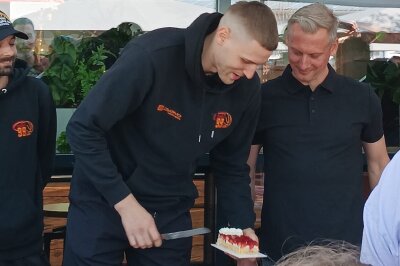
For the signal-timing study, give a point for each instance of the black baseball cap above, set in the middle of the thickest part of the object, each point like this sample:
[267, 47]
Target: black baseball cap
[7, 29]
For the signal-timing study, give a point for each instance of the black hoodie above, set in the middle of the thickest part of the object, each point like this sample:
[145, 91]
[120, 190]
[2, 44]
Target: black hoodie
[153, 115]
[27, 130]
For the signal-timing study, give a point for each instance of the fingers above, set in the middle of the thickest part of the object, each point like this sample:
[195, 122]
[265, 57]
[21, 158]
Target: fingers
[246, 262]
[156, 238]
[146, 238]
[250, 233]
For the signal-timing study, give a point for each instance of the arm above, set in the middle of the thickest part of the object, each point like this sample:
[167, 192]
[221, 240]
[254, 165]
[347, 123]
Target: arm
[118, 93]
[252, 162]
[229, 163]
[377, 159]
[46, 133]
[141, 233]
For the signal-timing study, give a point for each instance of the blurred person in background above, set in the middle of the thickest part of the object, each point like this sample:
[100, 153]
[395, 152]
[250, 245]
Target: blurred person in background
[26, 49]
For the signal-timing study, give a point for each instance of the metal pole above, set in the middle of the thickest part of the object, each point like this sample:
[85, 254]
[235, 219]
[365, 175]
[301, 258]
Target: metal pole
[222, 5]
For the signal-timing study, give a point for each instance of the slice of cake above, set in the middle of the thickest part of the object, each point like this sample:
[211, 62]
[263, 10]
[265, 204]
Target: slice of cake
[233, 239]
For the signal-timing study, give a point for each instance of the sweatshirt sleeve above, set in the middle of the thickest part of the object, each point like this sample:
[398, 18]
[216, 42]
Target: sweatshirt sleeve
[46, 133]
[119, 92]
[229, 164]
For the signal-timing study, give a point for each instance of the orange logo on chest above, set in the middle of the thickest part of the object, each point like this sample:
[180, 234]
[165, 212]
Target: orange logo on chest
[23, 128]
[222, 120]
[169, 111]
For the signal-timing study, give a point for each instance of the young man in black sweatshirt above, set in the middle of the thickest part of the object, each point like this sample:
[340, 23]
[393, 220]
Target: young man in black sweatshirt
[27, 141]
[172, 96]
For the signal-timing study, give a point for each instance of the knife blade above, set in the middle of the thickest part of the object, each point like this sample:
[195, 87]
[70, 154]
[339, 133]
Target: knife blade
[185, 233]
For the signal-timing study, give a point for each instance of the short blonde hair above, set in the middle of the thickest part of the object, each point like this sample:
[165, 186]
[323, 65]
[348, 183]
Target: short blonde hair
[314, 17]
[258, 20]
[332, 253]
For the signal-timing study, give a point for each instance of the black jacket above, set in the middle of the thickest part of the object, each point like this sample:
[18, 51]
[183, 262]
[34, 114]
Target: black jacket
[153, 115]
[27, 130]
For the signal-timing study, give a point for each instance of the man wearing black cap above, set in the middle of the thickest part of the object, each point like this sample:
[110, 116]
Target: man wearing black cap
[27, 130]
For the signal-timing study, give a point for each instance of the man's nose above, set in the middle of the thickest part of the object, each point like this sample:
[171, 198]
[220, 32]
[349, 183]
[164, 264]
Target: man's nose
[8, 51]
[249, 70]
[304, 61]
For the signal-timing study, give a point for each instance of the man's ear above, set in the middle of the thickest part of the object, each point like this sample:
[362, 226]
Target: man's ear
[222, 34]
[334, 47]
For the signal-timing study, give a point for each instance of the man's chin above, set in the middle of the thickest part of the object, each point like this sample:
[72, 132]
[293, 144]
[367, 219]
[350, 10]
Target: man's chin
[228, 81]
[6, 71]
[304, 79]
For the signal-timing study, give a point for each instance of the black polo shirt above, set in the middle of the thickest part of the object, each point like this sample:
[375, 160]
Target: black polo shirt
[313, 159]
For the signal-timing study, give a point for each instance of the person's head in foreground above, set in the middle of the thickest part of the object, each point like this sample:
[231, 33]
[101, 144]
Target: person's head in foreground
[338, 253]
[245, 38]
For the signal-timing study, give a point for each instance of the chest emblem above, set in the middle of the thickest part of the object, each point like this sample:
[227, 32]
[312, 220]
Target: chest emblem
[222, 120]
[23, 128]
[169, 111]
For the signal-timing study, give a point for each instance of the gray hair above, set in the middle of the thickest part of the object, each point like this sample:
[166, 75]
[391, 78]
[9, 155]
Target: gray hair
[23, 21]
[313, 17]
[332, 253]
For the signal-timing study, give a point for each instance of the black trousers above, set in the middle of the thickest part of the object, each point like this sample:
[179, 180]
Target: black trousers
[34, 260]
[95, 236]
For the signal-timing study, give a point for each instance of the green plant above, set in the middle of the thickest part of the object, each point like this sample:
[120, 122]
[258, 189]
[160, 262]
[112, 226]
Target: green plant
[70, 75]
[62, 144]
[77, 65]
[384, 76]
[60, 74]
[90, 70]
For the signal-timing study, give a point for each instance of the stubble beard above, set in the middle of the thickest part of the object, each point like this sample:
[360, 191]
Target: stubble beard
[7, 70]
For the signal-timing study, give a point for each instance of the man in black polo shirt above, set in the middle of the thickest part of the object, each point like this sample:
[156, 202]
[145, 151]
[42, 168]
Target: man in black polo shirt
[313, 126]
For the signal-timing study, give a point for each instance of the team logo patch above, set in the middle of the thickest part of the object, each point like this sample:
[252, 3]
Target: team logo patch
[222, 120]
[169, 111]
[23, 128]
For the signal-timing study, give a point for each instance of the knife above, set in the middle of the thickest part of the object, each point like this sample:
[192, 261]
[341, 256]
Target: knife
[186, 233]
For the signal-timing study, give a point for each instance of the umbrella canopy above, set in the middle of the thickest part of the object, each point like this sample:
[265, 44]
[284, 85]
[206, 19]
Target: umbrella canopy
[105, 14]
[375, 19]
[357, 3]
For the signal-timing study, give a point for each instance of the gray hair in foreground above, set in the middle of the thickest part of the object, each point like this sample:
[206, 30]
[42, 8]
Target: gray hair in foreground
[331, 253]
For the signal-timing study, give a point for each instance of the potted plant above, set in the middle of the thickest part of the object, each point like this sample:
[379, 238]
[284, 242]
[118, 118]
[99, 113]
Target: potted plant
[77, 65]
[384, 76]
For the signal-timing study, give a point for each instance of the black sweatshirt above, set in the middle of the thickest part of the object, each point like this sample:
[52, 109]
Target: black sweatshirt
[27, 130]
[153, 115]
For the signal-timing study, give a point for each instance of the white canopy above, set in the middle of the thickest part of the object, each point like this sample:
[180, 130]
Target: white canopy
[357, 3]
[375, 19]
[105, 14]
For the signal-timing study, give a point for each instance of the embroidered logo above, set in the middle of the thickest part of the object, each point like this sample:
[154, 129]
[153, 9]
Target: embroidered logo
[23, 128]
[222, 120]
[173, 113]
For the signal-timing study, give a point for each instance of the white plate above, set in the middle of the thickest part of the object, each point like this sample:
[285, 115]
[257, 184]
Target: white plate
[238, 255]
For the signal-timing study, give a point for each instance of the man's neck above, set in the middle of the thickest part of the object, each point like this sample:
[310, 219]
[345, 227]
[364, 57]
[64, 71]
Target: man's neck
[207, 60]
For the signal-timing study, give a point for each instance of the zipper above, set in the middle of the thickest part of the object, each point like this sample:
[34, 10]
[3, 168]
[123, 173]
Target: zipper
[203, 97]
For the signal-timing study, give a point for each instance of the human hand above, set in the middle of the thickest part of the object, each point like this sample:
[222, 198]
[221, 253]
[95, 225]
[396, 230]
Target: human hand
[246, 262]
[250, 233]
[251, 261]
[138, 224]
